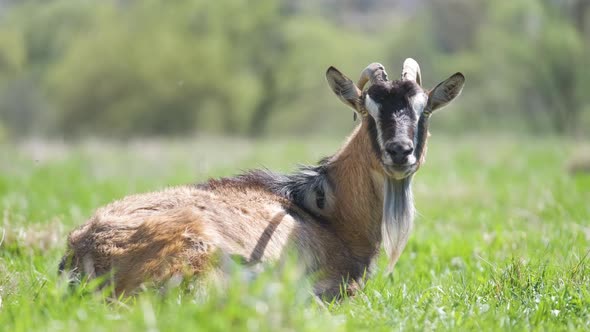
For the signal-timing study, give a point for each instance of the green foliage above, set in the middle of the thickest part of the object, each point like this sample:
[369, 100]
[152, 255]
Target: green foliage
[500, 243]
[125, 68]
[132, 72]
[12, 54]
[146, 67]
[547, 88]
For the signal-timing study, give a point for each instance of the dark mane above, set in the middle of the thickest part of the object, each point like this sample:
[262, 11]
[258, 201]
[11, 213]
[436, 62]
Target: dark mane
[294, 187]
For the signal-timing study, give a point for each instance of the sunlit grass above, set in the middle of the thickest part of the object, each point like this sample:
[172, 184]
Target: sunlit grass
[501, 242]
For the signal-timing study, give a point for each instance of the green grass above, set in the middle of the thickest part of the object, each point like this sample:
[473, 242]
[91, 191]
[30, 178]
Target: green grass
[501, 242]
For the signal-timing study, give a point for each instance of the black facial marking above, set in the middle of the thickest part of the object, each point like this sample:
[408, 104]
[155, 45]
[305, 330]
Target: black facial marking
[396, 114]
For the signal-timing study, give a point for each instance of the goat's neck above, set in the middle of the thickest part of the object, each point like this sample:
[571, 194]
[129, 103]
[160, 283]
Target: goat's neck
[368, 207]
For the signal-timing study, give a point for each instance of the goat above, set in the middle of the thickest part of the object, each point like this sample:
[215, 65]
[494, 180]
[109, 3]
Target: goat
[335, 215]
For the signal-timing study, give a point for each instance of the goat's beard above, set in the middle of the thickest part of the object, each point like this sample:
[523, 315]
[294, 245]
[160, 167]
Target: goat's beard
[398, 217]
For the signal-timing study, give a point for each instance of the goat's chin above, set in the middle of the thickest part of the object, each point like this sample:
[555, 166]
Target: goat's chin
[399, 172]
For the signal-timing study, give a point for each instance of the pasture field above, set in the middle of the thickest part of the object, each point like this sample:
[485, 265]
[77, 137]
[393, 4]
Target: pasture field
[501, 241]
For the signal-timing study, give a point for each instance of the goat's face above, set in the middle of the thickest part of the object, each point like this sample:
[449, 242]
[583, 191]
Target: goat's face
[393, 109]
[396, 111]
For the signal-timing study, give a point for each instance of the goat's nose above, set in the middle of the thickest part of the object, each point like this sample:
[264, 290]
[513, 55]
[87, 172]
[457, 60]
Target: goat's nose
[400, 148]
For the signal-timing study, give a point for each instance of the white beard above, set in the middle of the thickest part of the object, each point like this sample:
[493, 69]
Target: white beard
[398, 217]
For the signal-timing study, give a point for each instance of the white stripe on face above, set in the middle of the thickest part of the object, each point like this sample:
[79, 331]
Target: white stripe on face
[372, 107]
[418, 103]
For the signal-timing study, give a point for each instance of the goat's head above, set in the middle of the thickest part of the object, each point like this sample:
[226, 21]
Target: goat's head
[396, 111]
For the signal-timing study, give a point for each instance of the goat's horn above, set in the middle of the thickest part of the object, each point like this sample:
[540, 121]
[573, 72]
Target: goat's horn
[374, 72]
[411, 71]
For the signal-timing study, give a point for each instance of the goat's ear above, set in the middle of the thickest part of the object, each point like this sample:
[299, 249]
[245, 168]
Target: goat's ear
[343, 87]
[445, 92]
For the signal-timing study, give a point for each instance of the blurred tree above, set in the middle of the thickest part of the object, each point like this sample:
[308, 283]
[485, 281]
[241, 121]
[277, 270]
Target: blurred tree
[256, 31]
[580, 12]
[144, 69]
[12, 53]
[542, 54]
[269, 53]
[456, 23]
[160, 69]
[30, 41]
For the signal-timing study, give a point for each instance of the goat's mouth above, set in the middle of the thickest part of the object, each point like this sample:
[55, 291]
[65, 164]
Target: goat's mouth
[399, 169]
[399, 172]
